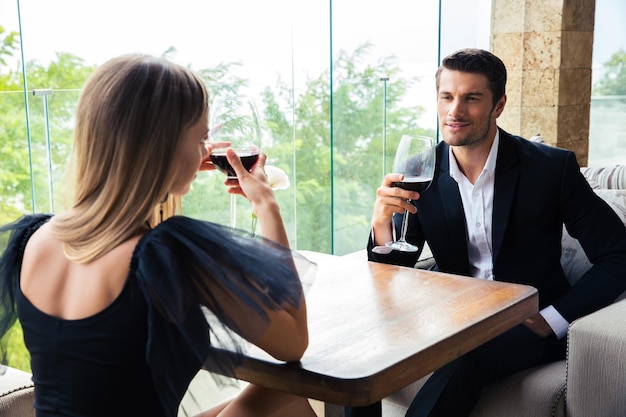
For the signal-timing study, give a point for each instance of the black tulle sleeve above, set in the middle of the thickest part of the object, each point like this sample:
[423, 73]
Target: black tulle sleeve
[188, 268]
[13, 239]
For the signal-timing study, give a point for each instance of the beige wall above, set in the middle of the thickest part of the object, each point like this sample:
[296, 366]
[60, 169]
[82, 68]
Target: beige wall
[547, 47]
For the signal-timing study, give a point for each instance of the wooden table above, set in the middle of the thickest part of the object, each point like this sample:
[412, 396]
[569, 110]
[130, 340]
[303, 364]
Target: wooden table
[375, 328]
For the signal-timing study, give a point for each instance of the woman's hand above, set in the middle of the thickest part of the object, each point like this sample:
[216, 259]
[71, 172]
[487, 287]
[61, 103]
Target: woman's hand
[254, 186]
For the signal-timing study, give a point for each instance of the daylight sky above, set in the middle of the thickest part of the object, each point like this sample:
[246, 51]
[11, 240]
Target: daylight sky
[261, 35]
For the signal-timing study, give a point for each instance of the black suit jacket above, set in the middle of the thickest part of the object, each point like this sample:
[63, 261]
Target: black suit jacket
[537, 189]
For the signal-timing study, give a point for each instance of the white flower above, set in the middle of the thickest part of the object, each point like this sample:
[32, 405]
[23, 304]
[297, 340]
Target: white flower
[277, 178]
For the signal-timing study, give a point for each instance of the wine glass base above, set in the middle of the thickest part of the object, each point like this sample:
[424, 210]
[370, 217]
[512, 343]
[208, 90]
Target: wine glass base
[402, 246]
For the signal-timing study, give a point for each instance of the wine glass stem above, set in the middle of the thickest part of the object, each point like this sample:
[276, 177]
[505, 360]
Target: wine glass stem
[253, 226]
[405, 223]
[233, 211]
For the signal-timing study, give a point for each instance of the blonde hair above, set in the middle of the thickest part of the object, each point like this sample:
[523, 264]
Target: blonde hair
[131, 116]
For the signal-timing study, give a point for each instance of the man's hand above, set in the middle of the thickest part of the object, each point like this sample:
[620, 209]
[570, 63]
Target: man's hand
[390, 200]
[538, 325]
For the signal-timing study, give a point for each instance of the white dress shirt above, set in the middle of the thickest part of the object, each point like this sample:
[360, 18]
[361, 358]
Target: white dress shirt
[477, 201]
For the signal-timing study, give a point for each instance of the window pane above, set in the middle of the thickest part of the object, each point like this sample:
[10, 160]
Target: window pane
[607, 134]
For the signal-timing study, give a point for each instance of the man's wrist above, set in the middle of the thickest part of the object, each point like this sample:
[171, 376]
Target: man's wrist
[556, 321]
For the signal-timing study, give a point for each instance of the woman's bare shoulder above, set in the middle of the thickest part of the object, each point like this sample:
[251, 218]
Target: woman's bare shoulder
[62, 288]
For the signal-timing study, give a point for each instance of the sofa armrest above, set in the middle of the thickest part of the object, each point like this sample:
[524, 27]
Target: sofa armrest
[16, 393]
[596, 364]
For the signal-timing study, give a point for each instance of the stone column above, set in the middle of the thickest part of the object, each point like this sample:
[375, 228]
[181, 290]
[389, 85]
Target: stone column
[547, 48]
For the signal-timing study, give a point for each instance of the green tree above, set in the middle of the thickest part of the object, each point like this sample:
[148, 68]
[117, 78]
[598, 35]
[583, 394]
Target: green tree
[338, 143]
[40, 132]
[8, 44]
[12, 174]
[207, 198]
[613, 82]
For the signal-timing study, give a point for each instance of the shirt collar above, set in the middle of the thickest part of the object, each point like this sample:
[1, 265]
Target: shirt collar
[490, 164]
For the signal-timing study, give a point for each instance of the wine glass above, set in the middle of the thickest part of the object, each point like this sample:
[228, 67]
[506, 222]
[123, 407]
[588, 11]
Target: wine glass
[234, 119]
[415, 159]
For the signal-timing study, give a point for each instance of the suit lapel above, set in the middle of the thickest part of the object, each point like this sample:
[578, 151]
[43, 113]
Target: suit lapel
[504, 189]
[452, 205]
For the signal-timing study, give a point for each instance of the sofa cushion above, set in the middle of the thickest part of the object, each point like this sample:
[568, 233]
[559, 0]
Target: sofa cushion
[539, 391]
[16, 393]
[606, 177]
[573, 259]
[396, 404]
[600, 177]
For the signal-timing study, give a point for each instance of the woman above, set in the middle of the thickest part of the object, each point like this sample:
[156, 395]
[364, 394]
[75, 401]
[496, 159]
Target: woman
[109, 295]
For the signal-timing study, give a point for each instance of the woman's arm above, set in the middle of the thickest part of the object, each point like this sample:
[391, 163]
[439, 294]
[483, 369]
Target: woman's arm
[286, 337]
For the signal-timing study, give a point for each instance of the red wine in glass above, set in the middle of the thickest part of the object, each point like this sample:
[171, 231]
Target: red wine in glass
[414, 183]
[415, 160]
[234, 119]
[248, 159]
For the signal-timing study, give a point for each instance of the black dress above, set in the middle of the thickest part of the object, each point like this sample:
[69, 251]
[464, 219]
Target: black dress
[138, 355]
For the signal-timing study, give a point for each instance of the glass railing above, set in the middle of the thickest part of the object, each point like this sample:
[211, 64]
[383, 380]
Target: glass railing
[337, 86]
[335, 95]
[335, 163]
[607, 131]
[36, 146]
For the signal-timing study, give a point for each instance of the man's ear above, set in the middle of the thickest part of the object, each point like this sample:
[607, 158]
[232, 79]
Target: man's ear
[499, 107]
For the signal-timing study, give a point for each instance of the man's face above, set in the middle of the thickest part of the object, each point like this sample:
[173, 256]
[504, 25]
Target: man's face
[467, 116]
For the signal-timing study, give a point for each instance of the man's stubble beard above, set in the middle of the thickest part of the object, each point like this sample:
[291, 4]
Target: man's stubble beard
[474, 140]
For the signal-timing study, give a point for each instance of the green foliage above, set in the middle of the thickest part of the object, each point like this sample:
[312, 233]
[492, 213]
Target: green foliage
[339, 147]
[332, 146]
[39, 129]
[221, 81]
[11, 122]
[613, 82]
[18, 357]
[207, 198]
[8, 44]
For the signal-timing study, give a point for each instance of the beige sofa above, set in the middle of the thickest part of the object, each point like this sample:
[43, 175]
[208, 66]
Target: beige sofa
[16, 393]
[591, 382]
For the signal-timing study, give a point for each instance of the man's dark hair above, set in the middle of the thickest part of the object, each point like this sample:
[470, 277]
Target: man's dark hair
[477, 61]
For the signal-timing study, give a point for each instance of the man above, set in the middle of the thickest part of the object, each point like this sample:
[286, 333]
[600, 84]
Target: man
[495, 210]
